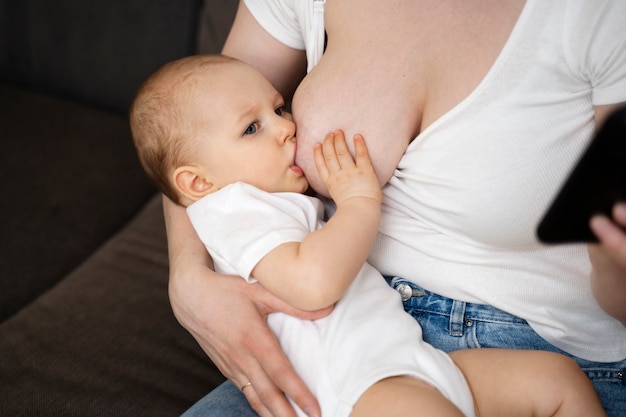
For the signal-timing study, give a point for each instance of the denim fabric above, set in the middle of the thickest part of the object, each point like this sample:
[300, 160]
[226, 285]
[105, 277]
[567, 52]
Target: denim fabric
[452, 325]
[224, 401]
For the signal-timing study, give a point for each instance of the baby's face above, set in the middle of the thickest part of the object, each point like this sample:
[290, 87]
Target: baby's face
[243, 133]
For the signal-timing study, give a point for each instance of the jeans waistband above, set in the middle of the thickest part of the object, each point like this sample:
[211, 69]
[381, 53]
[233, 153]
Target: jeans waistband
[416, 297]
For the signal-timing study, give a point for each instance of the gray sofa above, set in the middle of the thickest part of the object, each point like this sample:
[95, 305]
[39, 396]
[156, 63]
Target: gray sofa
[86, 327]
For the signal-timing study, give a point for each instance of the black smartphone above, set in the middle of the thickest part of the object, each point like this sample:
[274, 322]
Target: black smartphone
[596, 183]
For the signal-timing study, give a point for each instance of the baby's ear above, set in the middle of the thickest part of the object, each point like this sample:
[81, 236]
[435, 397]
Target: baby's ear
[192, 183]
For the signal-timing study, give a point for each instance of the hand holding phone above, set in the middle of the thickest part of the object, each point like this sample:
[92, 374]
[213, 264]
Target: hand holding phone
[597, 182]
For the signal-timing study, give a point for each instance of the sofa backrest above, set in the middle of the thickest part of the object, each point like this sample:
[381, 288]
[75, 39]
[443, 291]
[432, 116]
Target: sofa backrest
[96, 51]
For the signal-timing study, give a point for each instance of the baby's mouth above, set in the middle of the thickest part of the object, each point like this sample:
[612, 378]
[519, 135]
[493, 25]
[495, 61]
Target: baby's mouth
[294, 167]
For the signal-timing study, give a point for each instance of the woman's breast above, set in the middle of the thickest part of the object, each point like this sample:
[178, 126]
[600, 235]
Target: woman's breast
[358, 92]
[388, 84]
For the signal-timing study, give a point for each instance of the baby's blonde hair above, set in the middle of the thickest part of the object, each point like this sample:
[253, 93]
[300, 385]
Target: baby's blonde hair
[161, 132]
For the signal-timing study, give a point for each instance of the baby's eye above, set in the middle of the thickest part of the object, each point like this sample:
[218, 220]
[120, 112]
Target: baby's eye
[280, 110]
[251, 130]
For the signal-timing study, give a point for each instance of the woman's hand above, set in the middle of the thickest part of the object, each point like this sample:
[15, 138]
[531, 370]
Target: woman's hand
[227, 317]
[608, 258]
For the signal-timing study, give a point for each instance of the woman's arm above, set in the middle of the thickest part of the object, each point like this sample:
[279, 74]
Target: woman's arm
[285, 67]
[316, 272]
[225, 315]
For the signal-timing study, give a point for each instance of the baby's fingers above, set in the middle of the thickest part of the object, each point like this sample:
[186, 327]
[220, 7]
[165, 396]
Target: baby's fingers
[362, 157]
[332, 152]
[320, 163]
[332, 155]
[337, 150]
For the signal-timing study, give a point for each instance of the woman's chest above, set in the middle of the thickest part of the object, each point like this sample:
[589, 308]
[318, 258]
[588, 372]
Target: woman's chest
[390, 69]
[418, 58]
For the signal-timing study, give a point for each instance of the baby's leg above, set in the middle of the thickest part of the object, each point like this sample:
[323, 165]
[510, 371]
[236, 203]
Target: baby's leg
[404, 397]
[525, 383]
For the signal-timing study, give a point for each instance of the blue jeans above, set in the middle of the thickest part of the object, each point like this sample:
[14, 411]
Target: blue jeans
[452, 325]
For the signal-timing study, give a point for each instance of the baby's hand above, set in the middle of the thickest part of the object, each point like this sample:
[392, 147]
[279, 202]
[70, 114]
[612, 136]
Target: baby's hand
[344, 176]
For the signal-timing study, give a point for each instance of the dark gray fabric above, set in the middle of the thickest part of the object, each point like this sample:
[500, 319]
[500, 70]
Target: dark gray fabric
[70, 179]
[211, 29]
[86, 328]
[96, 51]
[104, 342]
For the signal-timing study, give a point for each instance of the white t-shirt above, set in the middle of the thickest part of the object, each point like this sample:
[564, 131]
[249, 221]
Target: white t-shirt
[460, 212]
[366, 338]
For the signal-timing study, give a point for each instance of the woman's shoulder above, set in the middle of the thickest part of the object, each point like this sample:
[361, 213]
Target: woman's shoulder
[594, 41]
[286, 20]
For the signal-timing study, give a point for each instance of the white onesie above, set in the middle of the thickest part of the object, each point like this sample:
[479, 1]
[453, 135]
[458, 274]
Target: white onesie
[366, 338]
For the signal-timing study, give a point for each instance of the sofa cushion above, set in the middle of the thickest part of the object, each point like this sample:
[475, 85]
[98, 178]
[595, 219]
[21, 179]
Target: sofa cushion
[96, 51]
[70, 179]
[104, 342]
[214, 24]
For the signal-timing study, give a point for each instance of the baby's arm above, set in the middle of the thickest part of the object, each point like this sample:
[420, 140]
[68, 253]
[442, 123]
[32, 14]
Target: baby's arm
[316, 272]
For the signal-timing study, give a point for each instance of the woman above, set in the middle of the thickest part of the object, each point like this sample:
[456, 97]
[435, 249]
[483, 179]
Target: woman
[474, 113]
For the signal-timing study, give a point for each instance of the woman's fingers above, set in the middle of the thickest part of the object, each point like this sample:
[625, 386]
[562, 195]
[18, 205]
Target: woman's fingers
[228, 319]
[263, 395]
[270, 373]
[612, 237]
[619, 214]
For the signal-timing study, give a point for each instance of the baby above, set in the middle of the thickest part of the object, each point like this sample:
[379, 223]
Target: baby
[213, 135]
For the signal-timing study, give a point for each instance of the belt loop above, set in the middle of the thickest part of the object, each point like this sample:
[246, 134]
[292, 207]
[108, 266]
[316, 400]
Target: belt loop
[457, 318]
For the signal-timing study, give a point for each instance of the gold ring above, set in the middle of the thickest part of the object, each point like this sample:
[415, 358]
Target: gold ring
[246, 385]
